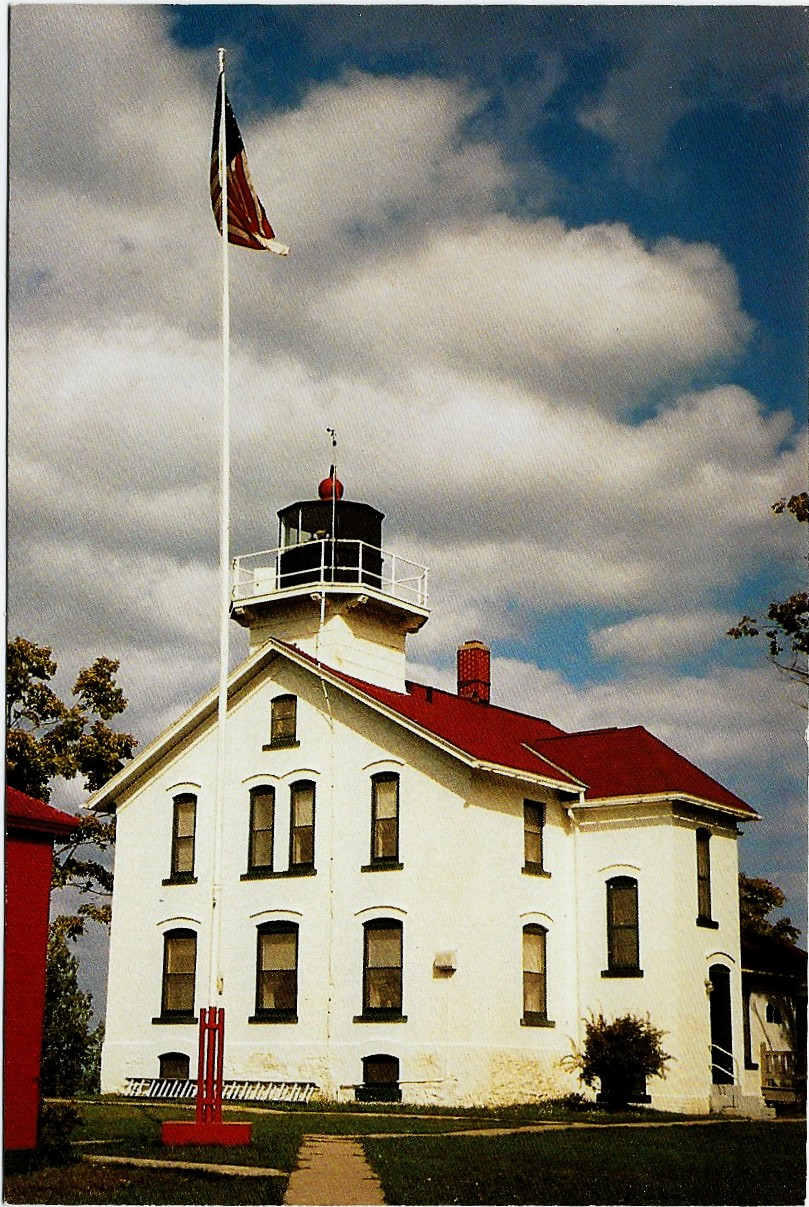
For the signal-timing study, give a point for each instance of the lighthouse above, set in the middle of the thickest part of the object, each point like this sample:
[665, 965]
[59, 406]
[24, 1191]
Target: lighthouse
[330, 588]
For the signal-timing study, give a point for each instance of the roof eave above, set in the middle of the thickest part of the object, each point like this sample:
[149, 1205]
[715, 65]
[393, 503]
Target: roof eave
[103, 801]
[652, 798]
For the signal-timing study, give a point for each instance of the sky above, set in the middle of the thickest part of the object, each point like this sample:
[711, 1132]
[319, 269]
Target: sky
[547, 282]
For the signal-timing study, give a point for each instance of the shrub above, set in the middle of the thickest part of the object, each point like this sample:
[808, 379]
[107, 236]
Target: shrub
[620, 1054]
[57, 1124]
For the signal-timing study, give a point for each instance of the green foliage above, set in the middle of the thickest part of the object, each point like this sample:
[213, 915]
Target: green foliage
[757, 899]
[47, 738]
[788, 630]
[619, 1054]
[71, 1049]
[58, 1122]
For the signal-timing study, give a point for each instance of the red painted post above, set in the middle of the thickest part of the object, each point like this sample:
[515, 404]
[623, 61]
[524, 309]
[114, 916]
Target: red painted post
[208, 1127]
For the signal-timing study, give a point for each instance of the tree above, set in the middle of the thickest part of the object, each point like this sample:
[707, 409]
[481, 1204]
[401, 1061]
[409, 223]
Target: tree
[70, 1047]
[787, 633]
[47, 738]
[620, 1054]
[757, 899]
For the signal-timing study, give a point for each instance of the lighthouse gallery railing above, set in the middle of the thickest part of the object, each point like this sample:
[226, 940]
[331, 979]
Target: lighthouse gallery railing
[329, 562]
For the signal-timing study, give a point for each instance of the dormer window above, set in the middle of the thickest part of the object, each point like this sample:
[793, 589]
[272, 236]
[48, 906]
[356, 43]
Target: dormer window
[284, 721]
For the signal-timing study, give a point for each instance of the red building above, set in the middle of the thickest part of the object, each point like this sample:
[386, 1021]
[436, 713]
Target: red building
[31, 827]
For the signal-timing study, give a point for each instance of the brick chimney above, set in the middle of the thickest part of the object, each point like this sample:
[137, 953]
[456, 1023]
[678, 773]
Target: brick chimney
[474, 671]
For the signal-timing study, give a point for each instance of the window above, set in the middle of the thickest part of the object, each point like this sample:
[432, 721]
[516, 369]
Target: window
[183, 838]
[277, 973]
[385, 819]
[382, 969]
[773, 1013]
[283, 721]
[179, 969]
[533, 826]
[380, 1079]
[534, 985]
[704, 879]
[262, 817]
[174, 1066]
[302, 825]
[623, 957]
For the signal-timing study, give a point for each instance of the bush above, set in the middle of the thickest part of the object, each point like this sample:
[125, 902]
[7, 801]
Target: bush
[57, 1124]
[620, 1054]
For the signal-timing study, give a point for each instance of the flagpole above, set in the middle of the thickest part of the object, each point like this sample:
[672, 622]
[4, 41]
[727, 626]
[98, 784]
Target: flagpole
[215, 984]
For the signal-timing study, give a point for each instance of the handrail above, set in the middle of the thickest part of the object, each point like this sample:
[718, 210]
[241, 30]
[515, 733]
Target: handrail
[346, 561]
[734, 1071]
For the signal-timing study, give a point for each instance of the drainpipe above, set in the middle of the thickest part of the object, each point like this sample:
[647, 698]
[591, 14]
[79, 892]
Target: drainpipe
[569, 809]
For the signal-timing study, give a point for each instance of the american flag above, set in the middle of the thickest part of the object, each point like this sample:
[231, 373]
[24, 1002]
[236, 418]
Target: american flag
[247, 222]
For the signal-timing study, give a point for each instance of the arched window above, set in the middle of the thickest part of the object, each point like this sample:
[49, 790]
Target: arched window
[380, 1079]
[183, 838]
[385, 818]
[623, 949]
[179, 973]
[262, 819]
[382, 969]
[174, 1066]
[534, 982]
[277, 973]
[302, 826]
[284, 721]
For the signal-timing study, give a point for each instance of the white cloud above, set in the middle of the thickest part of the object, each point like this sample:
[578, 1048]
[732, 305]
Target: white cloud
[661, 637]
[589, 314]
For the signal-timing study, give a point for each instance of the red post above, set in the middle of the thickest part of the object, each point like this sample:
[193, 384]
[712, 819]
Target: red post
[208, 1127]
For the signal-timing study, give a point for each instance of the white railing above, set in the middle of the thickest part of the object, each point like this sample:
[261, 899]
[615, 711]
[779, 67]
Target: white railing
[329, 563]
[232, 1091]
[733, 1071]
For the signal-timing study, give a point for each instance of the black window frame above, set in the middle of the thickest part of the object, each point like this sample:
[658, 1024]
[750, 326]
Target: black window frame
[276, 1014]
[384, 1088]
[377, 823]
[535, 1018]
[176, 1057]
[395, 973]
[177, 1014]
[533, 812]
[616, 966]
[283, 732]
[253, 866]
[703, 852]
[181, 842]
[295, 829]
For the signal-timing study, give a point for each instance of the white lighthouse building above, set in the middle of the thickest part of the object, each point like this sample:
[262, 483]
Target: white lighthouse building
[422, 895]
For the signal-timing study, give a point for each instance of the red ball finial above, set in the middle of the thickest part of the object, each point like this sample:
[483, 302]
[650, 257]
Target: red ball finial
[330, 487]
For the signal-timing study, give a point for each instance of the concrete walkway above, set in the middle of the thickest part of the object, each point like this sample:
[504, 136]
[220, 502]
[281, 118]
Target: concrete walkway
[230, 1171]
[332, 1170]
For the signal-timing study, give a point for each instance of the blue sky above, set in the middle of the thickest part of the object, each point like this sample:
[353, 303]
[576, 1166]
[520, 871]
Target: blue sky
[548, 281]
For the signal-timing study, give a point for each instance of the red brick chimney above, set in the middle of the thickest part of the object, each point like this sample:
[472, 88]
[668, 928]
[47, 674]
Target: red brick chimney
[474, 671]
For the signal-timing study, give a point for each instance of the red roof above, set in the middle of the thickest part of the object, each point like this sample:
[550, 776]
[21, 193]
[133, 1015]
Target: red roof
[609, 763]
[633, 762]
[26, 812]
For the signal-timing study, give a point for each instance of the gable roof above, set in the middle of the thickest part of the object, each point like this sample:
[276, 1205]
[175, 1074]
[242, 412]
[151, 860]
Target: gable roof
[596, 766]
[25, 812]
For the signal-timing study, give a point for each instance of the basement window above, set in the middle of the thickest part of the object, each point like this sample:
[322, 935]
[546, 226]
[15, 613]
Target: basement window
[380, 1079]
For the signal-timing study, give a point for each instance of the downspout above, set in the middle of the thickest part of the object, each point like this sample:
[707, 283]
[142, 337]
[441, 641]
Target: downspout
[569, 809]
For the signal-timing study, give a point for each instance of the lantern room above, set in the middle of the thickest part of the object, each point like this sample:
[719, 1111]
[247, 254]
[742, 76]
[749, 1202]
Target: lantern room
[332, 589]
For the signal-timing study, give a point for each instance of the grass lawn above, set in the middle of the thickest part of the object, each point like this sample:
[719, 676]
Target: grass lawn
[718, 1163]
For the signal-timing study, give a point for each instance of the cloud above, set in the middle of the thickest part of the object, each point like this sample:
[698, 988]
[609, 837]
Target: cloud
[675, 61]
[589, 314]
[661, 637]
